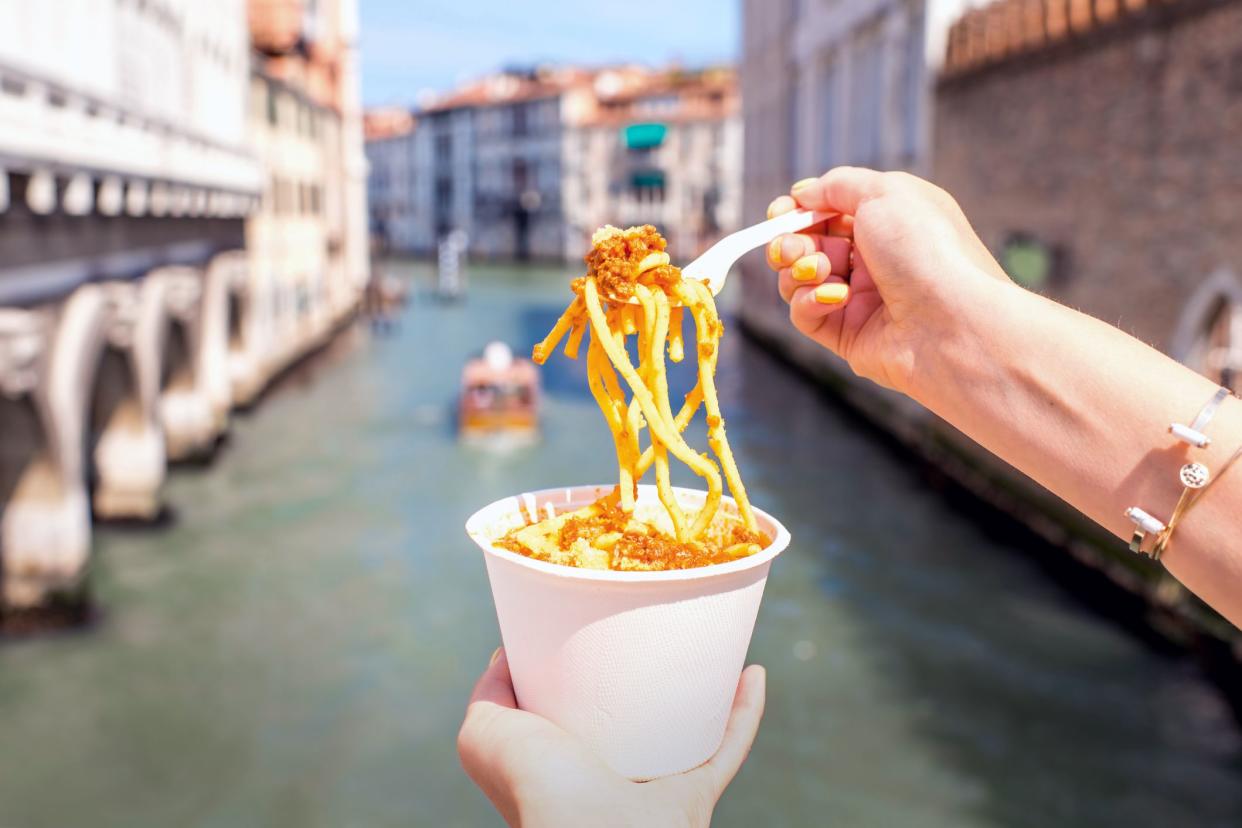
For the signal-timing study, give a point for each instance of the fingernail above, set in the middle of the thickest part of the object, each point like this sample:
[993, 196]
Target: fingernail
[832, 294]
[495, 657]
[806, 269]
[772, 210]
[799, 185]
[774, 250]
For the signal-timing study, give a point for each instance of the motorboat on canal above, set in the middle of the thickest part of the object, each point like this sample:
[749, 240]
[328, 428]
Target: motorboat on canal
[499, 404]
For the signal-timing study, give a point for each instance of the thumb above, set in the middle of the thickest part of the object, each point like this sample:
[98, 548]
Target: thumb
[840, 190]
[741, 730]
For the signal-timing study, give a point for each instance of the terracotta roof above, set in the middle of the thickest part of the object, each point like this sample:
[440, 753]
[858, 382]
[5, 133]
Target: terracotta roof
[610, 86]
[1007, 28]
[505, 88]
[390, 122]
[695, 96]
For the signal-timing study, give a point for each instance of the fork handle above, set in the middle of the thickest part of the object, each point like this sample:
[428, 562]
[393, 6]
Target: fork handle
[790, 222]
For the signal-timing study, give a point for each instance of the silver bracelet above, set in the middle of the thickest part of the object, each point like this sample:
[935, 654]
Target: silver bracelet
[1193, 477]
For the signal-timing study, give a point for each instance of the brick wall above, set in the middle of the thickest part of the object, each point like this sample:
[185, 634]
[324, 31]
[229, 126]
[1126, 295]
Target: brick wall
[1117, 145]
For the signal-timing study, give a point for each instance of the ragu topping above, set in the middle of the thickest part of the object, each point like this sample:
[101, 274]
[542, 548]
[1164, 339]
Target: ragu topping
[619, 259]
[602, 536]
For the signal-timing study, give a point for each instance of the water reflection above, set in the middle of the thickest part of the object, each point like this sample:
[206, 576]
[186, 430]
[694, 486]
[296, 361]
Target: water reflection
[296, 649]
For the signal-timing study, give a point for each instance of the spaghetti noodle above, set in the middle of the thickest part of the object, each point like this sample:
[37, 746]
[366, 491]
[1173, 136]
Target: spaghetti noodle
[631, 289]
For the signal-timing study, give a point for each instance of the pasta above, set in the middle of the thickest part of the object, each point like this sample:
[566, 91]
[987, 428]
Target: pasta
[632, 290]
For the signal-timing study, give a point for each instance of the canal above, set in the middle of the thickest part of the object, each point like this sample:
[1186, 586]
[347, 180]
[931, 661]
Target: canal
[295, 647]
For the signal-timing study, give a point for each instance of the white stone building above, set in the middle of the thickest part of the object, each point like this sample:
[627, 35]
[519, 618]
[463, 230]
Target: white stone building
[134, 111]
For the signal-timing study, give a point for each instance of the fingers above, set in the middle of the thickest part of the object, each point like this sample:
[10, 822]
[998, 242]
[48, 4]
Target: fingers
[784, 251]
[840, 190]
[840, 225]
[809, 306]
[495, 685]
[805, 272]
[742, 728]
[781, 205]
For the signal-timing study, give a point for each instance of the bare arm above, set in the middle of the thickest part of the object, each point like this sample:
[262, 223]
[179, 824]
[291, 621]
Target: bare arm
[1072, 402]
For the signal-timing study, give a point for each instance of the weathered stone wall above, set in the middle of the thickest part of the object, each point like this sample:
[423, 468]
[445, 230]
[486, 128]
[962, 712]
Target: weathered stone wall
[1120, 149]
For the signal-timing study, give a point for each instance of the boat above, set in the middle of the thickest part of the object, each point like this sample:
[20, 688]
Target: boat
[499, 404]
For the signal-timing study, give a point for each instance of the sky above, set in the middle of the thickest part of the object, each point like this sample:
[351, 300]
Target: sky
[413, 46]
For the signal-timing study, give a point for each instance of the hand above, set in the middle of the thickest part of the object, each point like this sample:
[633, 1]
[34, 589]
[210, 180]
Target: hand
[538, 775]
[892, 281]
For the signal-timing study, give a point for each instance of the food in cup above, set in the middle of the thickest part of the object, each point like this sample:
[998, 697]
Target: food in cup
[632, 289]
[641, 666]
[601, 535]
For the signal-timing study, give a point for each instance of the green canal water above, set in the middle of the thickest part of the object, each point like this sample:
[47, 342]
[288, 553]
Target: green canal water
[295, 648]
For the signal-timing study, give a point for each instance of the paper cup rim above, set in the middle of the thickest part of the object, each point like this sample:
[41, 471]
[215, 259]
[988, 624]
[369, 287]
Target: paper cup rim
[475, 529]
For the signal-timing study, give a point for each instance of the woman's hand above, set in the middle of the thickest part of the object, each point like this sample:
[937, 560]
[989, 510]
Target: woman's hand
[891, 282]
[538, 775]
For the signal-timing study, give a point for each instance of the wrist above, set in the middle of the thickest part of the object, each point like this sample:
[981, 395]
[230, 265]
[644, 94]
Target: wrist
[975, 346]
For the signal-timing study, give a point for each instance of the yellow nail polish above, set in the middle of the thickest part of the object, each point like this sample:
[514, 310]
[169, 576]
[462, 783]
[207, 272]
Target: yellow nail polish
[774, 251]
[806, 182]
[494, 658]
[831, 294]
[771, 210]
[806, 269]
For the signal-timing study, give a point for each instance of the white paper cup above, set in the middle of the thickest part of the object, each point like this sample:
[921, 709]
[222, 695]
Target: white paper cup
[642, 666]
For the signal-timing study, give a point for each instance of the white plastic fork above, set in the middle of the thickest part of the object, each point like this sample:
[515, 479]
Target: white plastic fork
[714, 265]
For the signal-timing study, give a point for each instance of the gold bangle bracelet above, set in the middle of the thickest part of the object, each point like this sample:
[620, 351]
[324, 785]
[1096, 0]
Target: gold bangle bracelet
[1190, 496]
[1195, 478]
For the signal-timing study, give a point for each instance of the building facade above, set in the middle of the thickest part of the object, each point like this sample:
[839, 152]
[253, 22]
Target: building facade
[390, 181]
[529, 164]
[307, 243]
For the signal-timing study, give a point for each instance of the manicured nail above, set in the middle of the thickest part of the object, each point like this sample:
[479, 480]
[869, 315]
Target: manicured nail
[806, 269]
[774, 250]
[804, 183]
[495, 657]
[832, 294]
[772, 210]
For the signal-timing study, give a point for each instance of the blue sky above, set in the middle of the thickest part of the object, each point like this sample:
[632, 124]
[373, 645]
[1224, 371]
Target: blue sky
[413, 45]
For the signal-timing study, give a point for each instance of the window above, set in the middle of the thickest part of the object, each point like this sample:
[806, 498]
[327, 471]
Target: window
[647, 185]
[1029, 261]
[272, 105]
[1223, 341]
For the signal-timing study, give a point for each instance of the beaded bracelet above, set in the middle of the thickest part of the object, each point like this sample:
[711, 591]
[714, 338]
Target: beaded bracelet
[1194, 477]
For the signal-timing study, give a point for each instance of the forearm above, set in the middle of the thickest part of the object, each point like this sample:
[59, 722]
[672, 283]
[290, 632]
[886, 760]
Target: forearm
[1084, 409]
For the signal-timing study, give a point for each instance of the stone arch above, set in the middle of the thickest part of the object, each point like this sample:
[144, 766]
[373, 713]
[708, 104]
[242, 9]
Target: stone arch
[126, 440]
[248, 331]
[185, 408]
[1208, 336]
[213, 357]
[45, 526]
